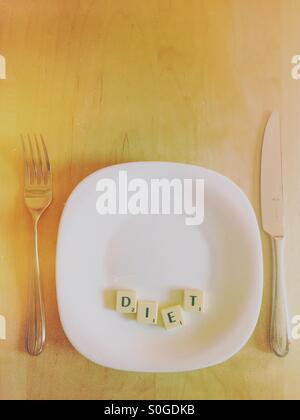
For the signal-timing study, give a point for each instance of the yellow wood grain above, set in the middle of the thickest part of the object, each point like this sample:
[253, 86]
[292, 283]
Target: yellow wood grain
[110, 81]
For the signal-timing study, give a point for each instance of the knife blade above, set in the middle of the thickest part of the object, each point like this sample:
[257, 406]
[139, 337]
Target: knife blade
[272, 207]
[272, 179]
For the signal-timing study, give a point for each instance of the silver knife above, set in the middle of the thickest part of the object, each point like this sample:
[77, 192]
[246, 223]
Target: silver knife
[272, 202]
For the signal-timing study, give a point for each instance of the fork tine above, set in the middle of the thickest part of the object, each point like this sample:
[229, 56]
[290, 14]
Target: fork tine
[46, 154]
[26, 161]
[39, 164]
[33, 161]
[48, 165]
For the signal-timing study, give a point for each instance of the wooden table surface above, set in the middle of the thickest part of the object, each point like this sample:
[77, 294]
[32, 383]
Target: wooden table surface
[111, 81]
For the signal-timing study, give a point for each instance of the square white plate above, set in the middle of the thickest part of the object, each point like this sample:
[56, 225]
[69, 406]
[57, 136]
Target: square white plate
[159, 256]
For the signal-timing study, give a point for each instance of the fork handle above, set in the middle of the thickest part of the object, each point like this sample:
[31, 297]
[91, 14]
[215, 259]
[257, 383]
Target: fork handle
[280, 323]
[36, 329]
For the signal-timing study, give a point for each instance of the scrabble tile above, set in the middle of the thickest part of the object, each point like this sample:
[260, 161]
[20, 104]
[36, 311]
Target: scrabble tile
[193, 300]
[147, 312]
[126, 301]
[172, 317]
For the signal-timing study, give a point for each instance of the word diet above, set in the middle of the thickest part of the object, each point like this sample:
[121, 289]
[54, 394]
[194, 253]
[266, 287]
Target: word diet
[147, 311]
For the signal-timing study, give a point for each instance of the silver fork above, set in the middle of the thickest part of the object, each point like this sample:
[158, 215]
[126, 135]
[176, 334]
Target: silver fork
[38, 197]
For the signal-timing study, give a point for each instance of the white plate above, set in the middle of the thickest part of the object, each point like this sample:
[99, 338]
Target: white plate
[158, 256]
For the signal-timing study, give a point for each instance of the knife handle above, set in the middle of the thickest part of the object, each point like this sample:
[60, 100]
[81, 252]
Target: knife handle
[280, 323]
